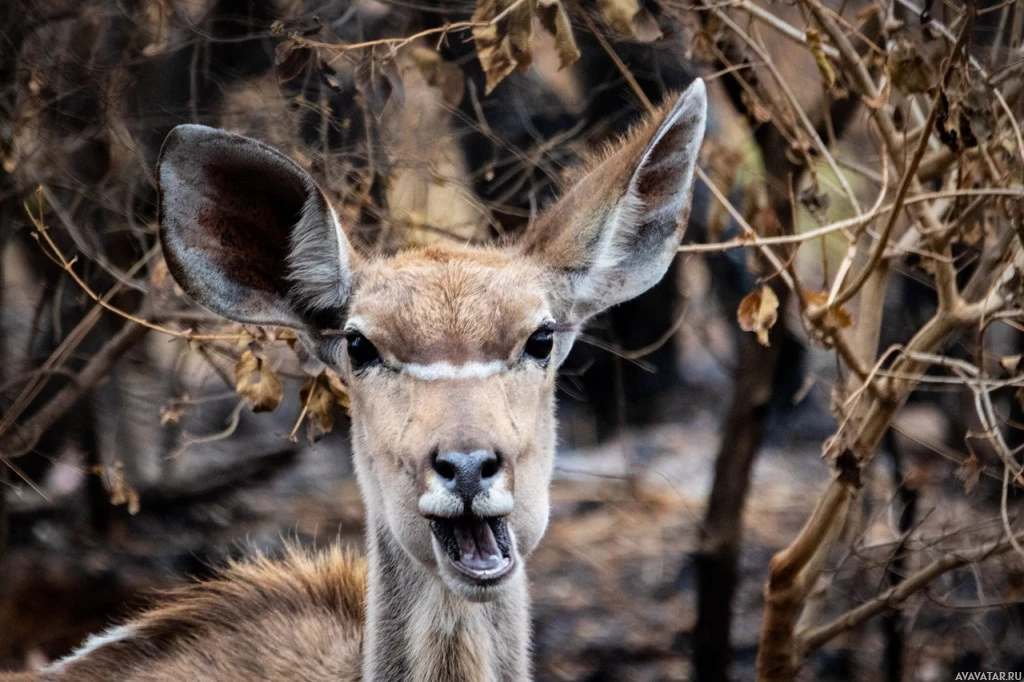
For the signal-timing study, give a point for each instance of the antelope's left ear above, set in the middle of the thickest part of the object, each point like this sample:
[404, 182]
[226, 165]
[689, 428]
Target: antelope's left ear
[614, 234]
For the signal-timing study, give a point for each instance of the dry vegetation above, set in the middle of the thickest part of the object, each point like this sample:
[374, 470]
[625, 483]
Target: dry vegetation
[863, 194]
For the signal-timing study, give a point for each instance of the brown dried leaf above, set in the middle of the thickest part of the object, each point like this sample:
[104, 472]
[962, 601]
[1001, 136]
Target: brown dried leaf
[645, 27]
[971, 231]
[505, 44]
[969, 473]
[817, 47]
[158, 276]
[320, 395]
[964, 119]
[909, 69]
[338, 389]
[629, 18]
[555, 20]
[256, 381]
[1010, 363]
[172, 412]
[758, 312]
[291, 60]
[836, 318]
[121, 492]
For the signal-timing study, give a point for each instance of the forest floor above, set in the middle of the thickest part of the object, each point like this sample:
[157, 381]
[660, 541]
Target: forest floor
[612, 582]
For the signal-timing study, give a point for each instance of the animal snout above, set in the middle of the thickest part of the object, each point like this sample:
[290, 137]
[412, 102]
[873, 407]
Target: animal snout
[467, 474]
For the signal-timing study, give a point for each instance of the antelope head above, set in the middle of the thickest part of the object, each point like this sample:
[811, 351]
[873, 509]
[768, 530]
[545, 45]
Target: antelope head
[449, 352]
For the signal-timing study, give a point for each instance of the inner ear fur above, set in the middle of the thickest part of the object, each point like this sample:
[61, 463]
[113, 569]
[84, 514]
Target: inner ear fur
[247, 233]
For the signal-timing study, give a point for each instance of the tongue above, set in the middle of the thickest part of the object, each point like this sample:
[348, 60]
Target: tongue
[478, 547]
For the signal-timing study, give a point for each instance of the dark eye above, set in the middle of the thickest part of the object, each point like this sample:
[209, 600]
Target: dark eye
[540, 343]
[361, 353]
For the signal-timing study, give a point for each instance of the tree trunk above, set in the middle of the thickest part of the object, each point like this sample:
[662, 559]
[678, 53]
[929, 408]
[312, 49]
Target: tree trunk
[717, 559]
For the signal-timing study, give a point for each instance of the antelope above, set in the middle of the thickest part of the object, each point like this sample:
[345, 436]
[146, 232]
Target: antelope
[450, 353]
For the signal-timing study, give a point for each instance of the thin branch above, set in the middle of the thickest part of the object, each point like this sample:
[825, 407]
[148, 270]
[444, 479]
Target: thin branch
[27, 434]
[895, 595]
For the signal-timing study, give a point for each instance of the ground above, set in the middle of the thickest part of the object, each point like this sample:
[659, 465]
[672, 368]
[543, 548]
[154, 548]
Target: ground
[612, 582]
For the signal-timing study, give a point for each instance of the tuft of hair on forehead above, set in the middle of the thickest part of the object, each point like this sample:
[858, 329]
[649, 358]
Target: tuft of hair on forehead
[450, 303]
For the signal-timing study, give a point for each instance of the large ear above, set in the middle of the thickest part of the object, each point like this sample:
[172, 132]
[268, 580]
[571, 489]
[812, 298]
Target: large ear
[613, 235]
[247, 233]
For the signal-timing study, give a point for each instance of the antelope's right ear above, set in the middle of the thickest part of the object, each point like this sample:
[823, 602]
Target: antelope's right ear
[247, 233]
[613, 235]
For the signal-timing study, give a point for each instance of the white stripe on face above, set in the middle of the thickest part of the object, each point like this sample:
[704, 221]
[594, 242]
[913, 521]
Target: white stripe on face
[445, 370]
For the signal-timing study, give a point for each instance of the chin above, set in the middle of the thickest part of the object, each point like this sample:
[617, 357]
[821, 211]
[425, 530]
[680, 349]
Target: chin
[470, 590]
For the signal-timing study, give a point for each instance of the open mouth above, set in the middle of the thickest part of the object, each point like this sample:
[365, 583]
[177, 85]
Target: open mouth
[478, 548]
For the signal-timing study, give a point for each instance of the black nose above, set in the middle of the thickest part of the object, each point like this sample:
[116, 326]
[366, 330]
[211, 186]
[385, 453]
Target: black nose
[467, 474]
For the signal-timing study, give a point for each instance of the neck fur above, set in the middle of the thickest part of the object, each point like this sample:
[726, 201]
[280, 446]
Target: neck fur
[417, 629]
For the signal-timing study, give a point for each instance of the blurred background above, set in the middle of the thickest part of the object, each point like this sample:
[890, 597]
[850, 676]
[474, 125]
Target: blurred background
[143, 441]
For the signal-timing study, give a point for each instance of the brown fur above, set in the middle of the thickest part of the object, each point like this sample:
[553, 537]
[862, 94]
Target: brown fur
[447, 302]
[261, 619]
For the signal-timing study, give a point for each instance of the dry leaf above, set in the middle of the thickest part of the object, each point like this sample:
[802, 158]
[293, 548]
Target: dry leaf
[291, 60]
[758, 312]
[1011, 363]
[971, 231]
[908, 68]
[835, 318]
[817, 47]
[629, 18]
[121, 492]
[172, 412]
[159, 275]
[505, 44]
[969, 473]
[338, 389]
[320, 395]
[645, 27]
[555, 20]
[964, 119]
[256, 381]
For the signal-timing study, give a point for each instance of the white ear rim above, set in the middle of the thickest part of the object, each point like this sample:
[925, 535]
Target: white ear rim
[341, 241]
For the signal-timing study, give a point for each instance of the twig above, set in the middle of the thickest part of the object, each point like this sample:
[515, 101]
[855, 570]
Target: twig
[895, 595]
[909, 177]
[68, 266]
[775, 261]
[788, 30]
[795, 107]
[94, 372]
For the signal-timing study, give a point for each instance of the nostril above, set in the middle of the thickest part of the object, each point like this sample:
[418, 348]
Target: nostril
[445, 468]
[490, 467]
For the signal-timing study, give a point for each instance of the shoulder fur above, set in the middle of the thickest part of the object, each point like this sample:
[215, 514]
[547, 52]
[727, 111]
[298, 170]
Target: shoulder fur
[297, 617]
